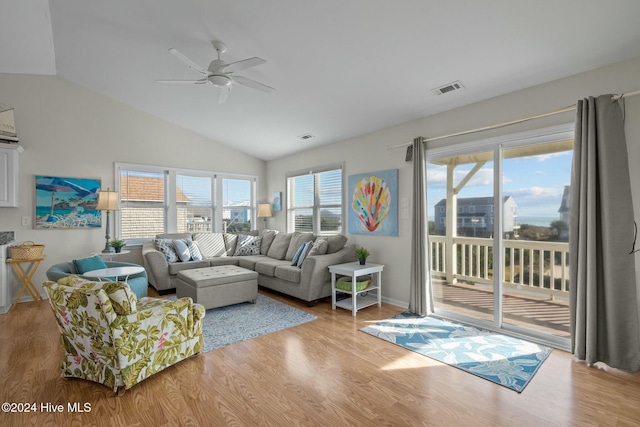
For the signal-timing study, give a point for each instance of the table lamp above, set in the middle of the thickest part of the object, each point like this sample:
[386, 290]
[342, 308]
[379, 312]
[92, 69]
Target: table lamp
[107, 201]
[264, 211]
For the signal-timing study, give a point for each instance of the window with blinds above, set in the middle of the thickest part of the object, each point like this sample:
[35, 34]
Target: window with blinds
[195, 210]
[237, 205]
[142, 204]
[315, 201]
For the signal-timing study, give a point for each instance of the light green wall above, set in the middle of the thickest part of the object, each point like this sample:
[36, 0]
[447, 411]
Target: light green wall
[367, 153]
[70, 131]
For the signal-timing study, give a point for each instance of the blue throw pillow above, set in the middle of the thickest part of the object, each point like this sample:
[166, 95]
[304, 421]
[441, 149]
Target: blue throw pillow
[196, 255]
[303, 254]
[83, 265]
[182, 249]
[296, 257]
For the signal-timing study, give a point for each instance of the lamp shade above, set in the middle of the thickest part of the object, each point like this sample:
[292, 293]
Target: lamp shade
[107, 200]
[264, 210]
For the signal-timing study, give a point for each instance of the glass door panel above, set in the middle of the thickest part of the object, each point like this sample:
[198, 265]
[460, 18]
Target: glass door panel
[535, 291]
[461, 228]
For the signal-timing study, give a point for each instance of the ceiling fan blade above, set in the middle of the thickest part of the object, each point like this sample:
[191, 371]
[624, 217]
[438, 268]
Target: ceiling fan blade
[189, 63]
[253, 84]
[195, 82]
[224, 94]
[243, 65]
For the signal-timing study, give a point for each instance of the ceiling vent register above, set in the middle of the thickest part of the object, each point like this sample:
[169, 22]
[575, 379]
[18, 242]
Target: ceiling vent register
[450, 87]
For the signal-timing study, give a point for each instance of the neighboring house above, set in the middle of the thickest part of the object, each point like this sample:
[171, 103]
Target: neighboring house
[475, 216]
[565, 208]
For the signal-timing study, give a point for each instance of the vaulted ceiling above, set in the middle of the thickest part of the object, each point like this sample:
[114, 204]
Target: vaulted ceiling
[341, 68]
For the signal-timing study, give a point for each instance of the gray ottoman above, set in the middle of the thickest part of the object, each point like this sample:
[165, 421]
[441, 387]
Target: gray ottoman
[218, 286]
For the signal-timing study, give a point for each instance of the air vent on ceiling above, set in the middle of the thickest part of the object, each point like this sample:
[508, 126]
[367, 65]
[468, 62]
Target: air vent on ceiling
[306, 136]
[450, 87]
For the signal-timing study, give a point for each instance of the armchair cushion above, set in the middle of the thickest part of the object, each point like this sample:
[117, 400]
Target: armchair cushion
[123, 300]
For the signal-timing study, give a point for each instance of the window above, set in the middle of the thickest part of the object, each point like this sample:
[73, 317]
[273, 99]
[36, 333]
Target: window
[472, 209]
[315, 201]
[156, 200]
[441, 209]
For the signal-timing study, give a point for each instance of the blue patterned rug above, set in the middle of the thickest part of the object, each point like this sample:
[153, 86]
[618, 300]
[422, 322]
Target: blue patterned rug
[510, 362]
[240, 322]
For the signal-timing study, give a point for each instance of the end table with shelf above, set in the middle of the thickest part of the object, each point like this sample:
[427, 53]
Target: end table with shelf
[357, 301]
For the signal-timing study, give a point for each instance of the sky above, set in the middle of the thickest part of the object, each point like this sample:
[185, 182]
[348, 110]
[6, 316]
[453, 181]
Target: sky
[536, 183]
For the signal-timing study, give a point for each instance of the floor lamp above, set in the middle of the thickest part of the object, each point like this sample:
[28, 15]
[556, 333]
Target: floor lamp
[264, 211]
[107, 201]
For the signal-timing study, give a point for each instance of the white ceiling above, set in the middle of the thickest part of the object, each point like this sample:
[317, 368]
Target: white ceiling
[341, 68]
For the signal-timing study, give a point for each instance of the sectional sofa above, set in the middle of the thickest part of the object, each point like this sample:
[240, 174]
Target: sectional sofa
[308, 280]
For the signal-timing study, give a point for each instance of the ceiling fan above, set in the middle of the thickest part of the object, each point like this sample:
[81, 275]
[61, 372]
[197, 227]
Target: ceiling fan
[220, 73]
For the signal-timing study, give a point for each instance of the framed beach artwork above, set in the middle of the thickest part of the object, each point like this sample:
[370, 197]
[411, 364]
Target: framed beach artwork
[373, 203]
[276, 201]
[63, 203]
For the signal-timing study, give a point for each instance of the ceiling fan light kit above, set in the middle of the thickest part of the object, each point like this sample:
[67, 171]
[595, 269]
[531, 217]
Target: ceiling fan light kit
[220, 73]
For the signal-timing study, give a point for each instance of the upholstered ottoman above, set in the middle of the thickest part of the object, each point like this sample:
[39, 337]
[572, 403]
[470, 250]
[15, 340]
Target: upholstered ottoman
[218, 286]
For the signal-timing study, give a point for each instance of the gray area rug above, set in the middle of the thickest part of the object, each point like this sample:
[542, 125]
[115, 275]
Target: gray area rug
[240, 322]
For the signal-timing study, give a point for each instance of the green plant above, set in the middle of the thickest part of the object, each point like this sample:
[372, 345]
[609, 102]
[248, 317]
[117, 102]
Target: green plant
[362, 253]
[116, 243]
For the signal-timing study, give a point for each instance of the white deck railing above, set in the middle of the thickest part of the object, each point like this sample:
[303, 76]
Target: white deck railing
[540, 267]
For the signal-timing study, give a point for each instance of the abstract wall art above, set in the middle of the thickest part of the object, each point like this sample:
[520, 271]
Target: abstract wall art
[373, 203]
[67, 203]
[276, 201]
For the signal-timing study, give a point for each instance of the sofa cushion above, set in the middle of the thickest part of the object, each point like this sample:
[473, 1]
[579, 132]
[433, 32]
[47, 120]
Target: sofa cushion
[175, 267]
[320, 246]
[82, 265]
[223, 260]
[210, 244]
[288, 273]
[249, 262]
[297, 238]
[182, 250]
[166, 247]
[268, 266]
[279, 247]
[248, 245]
[230, 242]
[173, 236]
[336, 242]
[267, 240]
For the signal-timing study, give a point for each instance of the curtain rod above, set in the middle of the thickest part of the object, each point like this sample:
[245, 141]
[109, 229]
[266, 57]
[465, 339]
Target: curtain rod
[512, 122]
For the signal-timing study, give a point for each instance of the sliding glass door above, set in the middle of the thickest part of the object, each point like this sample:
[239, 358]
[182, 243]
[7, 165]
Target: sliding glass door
[498, 230]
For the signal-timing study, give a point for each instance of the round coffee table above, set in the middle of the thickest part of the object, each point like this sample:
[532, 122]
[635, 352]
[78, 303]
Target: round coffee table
[115, 272]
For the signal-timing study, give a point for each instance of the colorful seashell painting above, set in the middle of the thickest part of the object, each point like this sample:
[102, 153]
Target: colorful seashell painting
[374, 209]
[371, 200]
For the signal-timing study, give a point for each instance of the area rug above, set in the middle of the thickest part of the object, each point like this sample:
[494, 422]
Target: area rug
[508, 361]
[240, 322]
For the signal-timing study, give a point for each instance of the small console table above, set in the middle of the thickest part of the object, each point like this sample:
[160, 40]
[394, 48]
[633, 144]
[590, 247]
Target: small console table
[354, 270]
[25, 276]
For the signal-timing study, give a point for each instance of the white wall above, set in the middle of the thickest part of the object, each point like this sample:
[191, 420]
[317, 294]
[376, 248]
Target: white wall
[368, 153]
[70, 131]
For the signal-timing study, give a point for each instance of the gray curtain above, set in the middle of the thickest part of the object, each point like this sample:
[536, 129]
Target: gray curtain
[603, 303]
[420, 298]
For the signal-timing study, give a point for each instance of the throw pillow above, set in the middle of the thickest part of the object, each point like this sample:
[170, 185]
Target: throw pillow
[279, 246]
[303, 255]
[320, 246]
[83, 265]
[296, 257]
[336, 242]
[230, 241]
[166, 247]
[194, 250]
[182, 250]
[248, 245]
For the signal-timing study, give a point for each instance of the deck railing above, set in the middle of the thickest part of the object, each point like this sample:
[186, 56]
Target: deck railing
[539, 267]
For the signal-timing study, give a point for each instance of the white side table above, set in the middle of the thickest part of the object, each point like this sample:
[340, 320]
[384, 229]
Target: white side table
[109, 255]
[354, 270]
[114, 272]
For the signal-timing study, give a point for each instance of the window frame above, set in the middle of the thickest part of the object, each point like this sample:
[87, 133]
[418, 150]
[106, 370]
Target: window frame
[170, 197]
[316, 207]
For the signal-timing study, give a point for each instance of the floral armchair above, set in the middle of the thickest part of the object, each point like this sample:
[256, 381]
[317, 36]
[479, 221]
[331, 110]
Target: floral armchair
[111, 337]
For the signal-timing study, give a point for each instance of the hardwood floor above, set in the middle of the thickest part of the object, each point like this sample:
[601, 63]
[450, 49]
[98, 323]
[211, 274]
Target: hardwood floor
[322, 373]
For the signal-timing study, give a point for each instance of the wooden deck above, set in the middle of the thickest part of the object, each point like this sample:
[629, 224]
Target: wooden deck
[521, 309]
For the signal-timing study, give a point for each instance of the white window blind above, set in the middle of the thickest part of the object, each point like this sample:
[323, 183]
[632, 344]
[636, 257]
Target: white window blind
[142, 204]
[194, 203]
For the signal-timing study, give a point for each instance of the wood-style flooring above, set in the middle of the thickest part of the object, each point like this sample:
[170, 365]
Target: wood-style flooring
[322, 373]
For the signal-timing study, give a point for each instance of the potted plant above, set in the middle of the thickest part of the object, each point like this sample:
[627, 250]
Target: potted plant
[117, 244]
[362, 254]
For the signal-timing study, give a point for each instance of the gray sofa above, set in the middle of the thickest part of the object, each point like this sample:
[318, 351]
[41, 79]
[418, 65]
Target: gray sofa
[309, 282]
